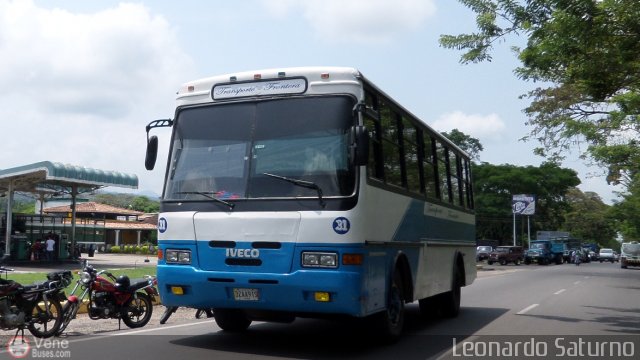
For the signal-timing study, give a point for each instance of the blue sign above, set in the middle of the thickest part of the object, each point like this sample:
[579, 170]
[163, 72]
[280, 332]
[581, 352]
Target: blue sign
[341, 225]
[162, 224]
[523, 204]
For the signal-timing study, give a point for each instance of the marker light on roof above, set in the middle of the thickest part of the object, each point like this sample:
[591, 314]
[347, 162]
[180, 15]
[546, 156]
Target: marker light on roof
[191, 88]
[257, 76]
[324, 75]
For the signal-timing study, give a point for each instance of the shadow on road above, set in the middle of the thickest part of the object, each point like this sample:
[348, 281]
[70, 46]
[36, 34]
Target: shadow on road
[626, 321]
[324, 339]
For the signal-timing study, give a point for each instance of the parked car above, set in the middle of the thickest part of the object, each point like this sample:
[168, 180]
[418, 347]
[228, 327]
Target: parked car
[482, 252]
[506, 254]
[606, 255]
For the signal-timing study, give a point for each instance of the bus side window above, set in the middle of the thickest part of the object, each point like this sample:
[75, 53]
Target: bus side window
[428, 164]
[390, 146]
[411, 159]
[443, 172]
[456, 183]
[372, 124]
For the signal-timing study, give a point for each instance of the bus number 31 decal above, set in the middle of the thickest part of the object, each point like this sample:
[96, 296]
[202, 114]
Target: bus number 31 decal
[341, 225]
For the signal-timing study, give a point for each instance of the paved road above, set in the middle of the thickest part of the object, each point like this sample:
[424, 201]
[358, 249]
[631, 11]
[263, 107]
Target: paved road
[595, 301]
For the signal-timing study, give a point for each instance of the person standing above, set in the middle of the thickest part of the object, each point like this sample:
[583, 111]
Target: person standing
[50, 243]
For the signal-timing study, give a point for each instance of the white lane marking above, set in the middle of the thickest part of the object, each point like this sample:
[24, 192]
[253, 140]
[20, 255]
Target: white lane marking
[524, 311]
[159, 328]
[577, 282]
[102, 336]
[559, 292]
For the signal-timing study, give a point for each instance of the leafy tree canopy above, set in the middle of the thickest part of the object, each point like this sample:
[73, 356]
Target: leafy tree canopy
[470, 145]
[589, 53]
[495, 186]
[590, 219]
[129, 201]
[626, 212]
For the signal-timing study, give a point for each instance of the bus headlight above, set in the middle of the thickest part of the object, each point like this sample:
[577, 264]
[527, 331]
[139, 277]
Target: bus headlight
[319, 259]
[178, 256]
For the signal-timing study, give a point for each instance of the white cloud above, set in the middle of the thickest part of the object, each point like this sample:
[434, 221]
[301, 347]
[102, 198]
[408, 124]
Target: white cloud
[364, 21]
[475, 125]
[79, 88]
[101, 63]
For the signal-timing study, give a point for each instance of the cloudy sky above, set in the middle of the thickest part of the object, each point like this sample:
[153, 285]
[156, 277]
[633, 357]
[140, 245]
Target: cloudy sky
[79, 80]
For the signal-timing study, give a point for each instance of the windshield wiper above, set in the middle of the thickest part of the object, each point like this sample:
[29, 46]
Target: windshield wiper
[302, 183]
[206, 194]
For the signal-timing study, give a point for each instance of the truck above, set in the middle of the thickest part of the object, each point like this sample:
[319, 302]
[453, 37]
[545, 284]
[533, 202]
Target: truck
[544, 252]
[630, 254]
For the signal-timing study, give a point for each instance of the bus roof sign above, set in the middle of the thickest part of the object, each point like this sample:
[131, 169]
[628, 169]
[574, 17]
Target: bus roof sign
[259, 88]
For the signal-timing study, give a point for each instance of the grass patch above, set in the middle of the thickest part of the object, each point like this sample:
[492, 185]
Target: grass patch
[30, 278]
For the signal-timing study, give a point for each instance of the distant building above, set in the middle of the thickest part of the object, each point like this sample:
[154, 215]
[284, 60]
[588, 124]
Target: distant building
[109, 225]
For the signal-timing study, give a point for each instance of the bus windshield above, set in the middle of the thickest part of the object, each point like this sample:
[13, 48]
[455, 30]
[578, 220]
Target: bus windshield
[245, 150]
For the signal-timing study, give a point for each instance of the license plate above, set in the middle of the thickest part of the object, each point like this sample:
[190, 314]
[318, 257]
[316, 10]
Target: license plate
[244, 294]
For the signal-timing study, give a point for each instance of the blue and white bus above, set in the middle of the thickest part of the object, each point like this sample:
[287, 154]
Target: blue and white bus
[309, 192]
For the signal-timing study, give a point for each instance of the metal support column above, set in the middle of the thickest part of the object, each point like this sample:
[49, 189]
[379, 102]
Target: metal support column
[7, 239]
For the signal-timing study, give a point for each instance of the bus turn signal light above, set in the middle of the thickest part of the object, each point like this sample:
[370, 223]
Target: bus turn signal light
[322, 296]
[351, 259]
[177, 290]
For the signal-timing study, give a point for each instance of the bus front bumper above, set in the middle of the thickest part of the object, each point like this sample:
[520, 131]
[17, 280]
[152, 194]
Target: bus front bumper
[319, 291]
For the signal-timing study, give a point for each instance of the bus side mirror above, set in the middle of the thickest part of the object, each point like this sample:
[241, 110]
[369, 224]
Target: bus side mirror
[361, 145]
[152, 142]
[152, 153]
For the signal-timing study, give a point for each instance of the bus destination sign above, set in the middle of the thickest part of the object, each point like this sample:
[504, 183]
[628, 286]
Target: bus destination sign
[260, 88]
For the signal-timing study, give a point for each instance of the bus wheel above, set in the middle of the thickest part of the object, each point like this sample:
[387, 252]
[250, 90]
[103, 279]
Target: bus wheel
[450, 301]
[389, 323]
[231, 320]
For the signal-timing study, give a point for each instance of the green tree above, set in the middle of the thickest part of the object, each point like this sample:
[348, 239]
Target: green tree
[590, 219]
[626, 212]
[142, 203]
[496, 184]
[22, 205]
[471, 145]
[588, 51]
[129, 201]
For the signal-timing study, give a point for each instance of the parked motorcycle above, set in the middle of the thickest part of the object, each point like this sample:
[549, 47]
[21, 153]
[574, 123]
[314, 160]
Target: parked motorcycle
[111, 297]
[35, 307]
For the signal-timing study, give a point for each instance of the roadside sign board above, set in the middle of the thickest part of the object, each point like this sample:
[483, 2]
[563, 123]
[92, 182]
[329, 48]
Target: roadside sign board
[523, 204]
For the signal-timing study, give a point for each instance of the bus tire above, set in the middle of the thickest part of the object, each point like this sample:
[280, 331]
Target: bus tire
[388, 324]
[450, 301]
[231, 320]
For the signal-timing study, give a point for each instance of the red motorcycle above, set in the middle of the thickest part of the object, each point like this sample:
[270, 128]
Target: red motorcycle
[111, 298]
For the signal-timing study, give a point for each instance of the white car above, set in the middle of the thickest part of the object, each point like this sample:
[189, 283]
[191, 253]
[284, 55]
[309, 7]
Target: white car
[606, 255]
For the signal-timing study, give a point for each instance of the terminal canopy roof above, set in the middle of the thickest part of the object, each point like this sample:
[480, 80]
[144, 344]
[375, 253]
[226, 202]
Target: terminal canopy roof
[52, 178]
